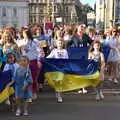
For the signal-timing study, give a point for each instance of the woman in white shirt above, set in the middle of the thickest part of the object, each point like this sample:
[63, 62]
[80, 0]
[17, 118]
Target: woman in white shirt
[31, 50]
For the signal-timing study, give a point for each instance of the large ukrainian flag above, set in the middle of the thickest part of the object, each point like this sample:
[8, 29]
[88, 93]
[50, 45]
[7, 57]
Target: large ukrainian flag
[70, 74]
[5, 92]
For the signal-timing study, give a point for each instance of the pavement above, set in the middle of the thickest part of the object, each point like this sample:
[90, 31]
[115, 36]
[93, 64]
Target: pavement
[75, 107]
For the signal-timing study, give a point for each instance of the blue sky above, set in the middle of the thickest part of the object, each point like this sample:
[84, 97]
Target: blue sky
[91, 2]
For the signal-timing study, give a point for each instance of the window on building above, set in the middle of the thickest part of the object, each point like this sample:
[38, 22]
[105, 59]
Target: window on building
[40, 1]
[67, 9]
[34, 19]
[30, 18]
[15, 25]
[30, 8]
[4, 25]
[55, 8]
[40, 19]
[14, 12]
[68, 1]
[41, 10]
[58, 9]
[34, 9]
[67, 20]
[4, 12]
[118, 13]
[45, 1]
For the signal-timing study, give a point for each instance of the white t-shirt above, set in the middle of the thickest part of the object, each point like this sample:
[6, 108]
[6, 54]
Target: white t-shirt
[56, 53]
[31, 50]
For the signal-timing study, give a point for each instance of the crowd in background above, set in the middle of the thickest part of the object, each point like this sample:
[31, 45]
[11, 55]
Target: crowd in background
[24, 48]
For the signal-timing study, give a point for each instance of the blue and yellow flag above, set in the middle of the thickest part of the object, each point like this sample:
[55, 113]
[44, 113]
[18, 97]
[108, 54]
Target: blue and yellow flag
[82, 52]
[5, 92]
[5, 78]
[70, 74]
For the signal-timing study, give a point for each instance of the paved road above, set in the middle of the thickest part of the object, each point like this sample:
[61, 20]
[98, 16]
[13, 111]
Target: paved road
[74, 107]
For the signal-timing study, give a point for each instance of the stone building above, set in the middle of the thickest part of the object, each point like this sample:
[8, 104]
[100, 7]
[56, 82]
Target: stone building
[58, 11]
[107, 13]
[13, 13]
[91, 19]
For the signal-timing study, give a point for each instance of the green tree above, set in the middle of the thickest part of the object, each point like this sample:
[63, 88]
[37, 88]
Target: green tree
[87, 8]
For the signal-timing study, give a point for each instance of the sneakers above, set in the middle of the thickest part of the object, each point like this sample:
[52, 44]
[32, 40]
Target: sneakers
[101, 95]
[97, 97]
[18, 112]
[83, 91]
[110, 79]
[7, 102]
[29, 100]
[34, 97]
[80, 91]
[60, 100]
[115, 81]
[25, 113]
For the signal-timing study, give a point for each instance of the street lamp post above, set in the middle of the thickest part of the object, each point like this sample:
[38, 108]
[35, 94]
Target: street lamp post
[53, 11]
[104, 27]
[63, 11]
[114, 11]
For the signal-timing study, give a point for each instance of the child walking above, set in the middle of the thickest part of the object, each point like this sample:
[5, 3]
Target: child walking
[23, 81]
[96, 55]
[12, 66]
[57, 53]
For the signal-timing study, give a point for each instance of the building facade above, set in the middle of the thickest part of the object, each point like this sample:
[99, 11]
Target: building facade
[81, 14]
[107, 13]
[117, 12]
[100, 14]
[13, 13]
[57, 11]
[91, 19]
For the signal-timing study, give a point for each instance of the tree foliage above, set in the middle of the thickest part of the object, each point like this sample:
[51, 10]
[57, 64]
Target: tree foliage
[87, 8]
